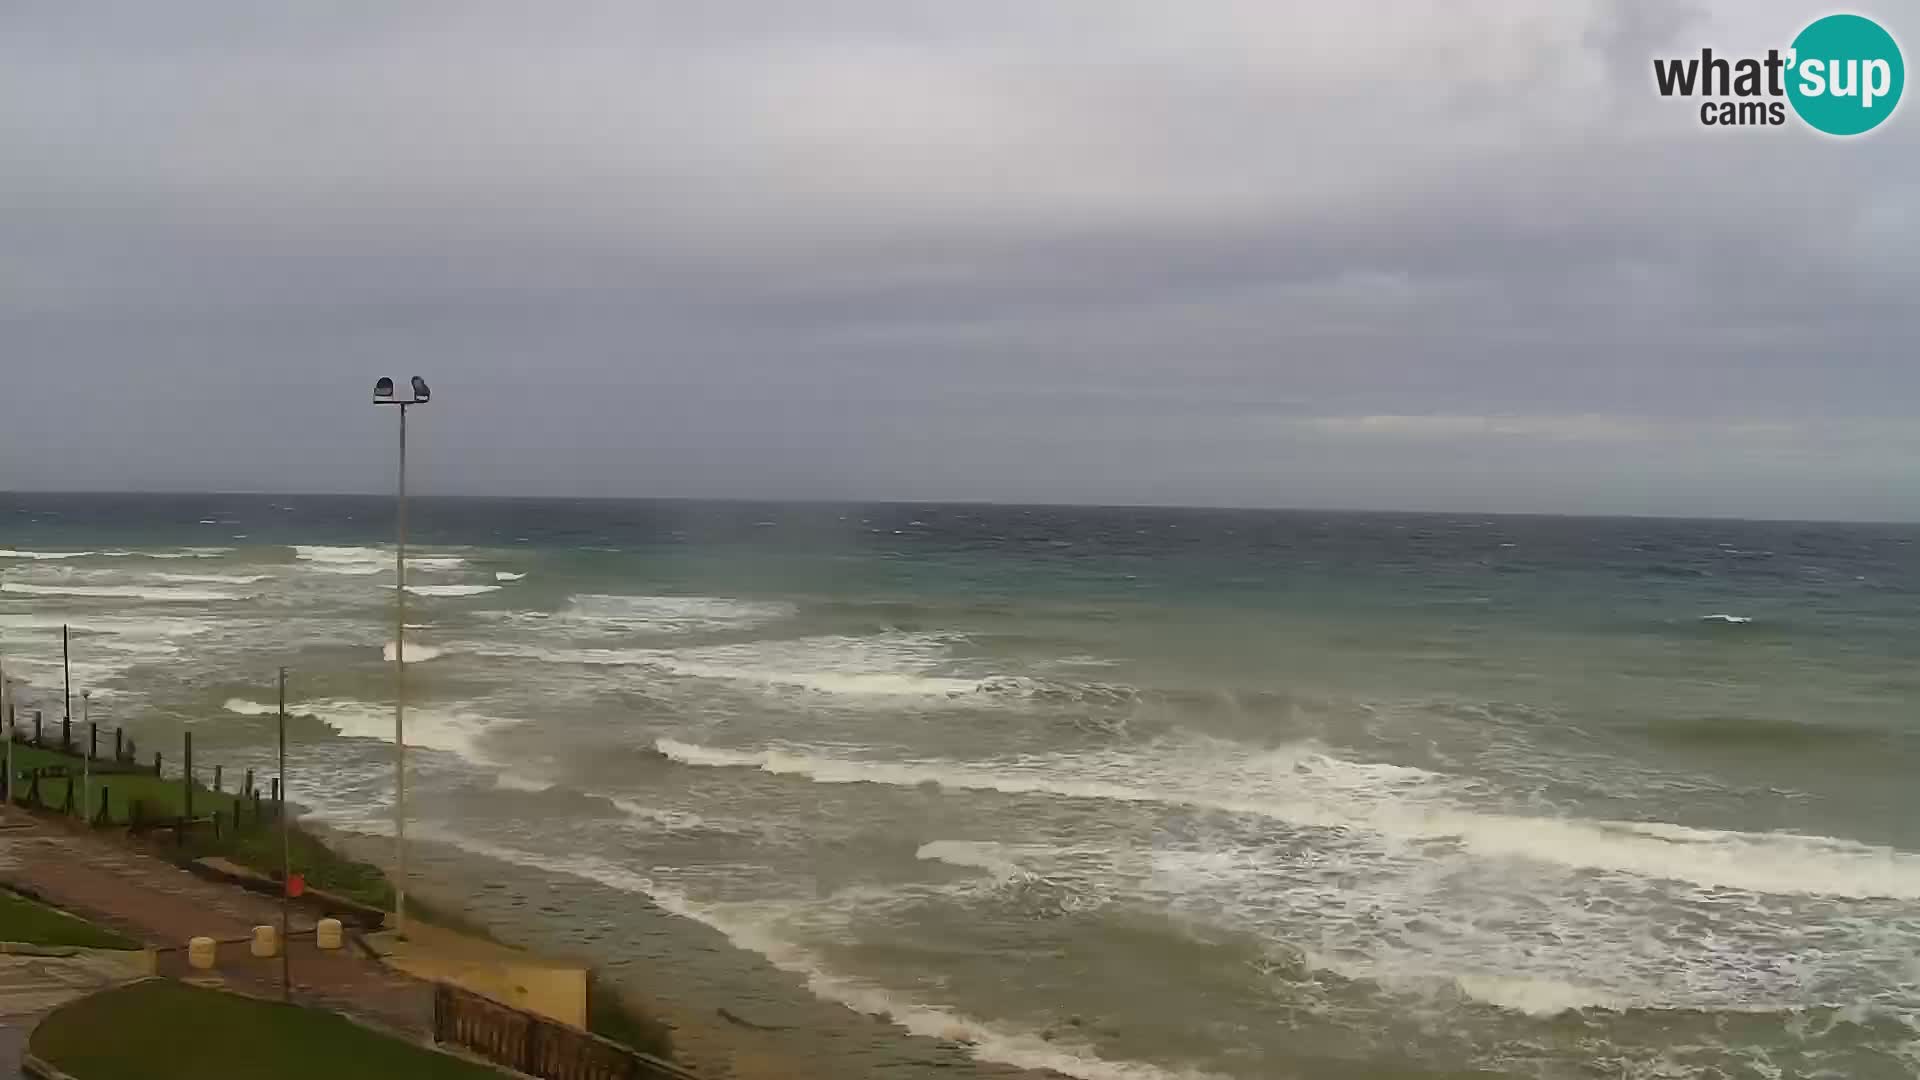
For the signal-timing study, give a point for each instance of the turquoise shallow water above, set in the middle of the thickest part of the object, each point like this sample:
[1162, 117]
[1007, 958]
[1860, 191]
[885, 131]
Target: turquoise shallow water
[1243, 793]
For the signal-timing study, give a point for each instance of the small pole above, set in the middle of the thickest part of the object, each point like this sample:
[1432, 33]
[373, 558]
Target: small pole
[186, 780]
[286, 851]
[66, 675]
[66, 734]
[216, 779]
[86, 767]
[119, 745]
[12, 736]
[36, 729]
[93, 731]
[13, 726]
[156, 763]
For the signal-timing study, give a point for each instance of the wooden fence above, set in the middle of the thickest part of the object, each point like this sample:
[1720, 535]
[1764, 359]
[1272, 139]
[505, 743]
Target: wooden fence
[535, 1045]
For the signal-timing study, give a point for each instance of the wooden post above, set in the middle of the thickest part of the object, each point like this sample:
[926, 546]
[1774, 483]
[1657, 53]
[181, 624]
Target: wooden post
[33, 791]
[68, 809]
[36, 729]
[186, 780]
[216, 832]
[119, 746]
[156, 764]
[246, 786]
[278, 809]
[93, 741]
[66, 734]
[216, 779]
[105, 817]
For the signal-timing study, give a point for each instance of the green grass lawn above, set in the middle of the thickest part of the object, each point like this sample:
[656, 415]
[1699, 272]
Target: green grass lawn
[22, 920]
[159, 1030]
[160, 796]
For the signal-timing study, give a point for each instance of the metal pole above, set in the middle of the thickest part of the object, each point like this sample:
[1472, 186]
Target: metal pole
[400, 693]
[13, 725]
[66, 672]
[86, 767]
[286, 857]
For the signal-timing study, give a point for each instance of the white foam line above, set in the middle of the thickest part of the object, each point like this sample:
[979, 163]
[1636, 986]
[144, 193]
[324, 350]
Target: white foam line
[1303, 787]
[987, 1041]
[451, 590]
[6, 553]
[125, 592]
[416, 652]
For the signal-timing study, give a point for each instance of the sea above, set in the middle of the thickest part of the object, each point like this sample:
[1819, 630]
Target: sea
[1125, 793]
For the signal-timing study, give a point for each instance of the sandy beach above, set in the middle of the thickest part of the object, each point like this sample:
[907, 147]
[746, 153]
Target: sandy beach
[734, 1015]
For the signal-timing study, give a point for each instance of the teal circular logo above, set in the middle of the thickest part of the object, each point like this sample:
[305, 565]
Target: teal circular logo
[1846, 74]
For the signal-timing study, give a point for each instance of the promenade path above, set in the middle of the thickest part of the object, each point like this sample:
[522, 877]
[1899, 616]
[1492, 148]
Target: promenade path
[158, 904]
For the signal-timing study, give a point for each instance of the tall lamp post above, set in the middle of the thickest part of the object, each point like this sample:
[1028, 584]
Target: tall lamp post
[383, 395]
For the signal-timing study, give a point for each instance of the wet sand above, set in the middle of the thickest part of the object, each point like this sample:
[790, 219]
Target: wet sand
[733, 1014]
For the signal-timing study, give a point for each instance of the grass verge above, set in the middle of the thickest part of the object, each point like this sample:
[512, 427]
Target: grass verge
[158, 1029]
[22, 920]
[255, 844]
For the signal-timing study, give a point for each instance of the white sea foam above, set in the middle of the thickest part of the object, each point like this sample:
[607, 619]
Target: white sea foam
[747, 927]
[124, 592]
[1734, 619]
[1303, 786]
[972, 855]
[507, 781]
[184, 553]
[436, 564]
[451, 728]
[42, 555]
[416, 652]
[243, 707]
[451, 590]
[212, 579]
[671, 614]
[343, 560]
[1535, 997]
[507, 575]
[886, 666]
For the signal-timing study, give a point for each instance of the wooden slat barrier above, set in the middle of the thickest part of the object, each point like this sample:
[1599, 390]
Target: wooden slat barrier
[535, 1045]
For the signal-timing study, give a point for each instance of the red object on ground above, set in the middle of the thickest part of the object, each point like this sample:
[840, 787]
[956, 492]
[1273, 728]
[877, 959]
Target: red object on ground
[296, 884]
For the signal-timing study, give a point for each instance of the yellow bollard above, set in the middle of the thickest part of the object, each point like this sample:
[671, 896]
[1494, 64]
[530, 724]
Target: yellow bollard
[327, 934]
[266, 941]
[200, 953]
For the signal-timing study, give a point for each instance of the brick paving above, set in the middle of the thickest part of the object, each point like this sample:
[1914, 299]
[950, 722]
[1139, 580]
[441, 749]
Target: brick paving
[161, 905]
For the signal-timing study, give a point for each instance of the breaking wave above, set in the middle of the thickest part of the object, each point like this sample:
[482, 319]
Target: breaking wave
[451, 590]
[671, 614]
[123, 592]
[1304, 786]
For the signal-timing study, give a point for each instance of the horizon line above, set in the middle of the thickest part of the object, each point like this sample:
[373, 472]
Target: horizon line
[816, 501]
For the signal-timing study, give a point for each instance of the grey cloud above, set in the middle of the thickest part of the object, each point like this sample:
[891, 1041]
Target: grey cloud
[1116, 252]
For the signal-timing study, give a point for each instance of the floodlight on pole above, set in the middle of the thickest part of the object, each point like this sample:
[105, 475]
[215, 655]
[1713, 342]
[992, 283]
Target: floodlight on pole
[383, 395]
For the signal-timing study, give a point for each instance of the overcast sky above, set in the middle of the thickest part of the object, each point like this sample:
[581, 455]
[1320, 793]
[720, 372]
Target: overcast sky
[1366, 254]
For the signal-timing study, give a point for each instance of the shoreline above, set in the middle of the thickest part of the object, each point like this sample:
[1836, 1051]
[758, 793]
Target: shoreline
[733, 1012]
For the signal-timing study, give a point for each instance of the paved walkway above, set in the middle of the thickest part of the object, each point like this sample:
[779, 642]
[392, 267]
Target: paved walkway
[159, 904]
[32, 986]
